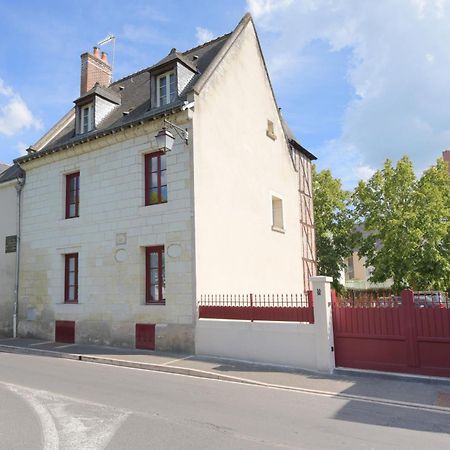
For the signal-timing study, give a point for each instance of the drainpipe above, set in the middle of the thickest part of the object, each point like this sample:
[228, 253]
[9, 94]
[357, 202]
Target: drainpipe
[19, 186]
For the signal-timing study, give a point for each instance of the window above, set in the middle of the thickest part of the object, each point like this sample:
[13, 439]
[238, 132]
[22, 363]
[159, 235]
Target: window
[72, 195]
[155, 178]
[86, 119]
[155, 278]
[270, 132]
[166, 88]
[277, 214]
[71, 278]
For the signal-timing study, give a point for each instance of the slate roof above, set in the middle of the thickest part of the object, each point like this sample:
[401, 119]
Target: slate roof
[290, 136]
[134, 91]
[9, 174]
[3, 167]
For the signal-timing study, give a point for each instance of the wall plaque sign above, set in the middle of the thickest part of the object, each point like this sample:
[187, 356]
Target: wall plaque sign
[10, 244]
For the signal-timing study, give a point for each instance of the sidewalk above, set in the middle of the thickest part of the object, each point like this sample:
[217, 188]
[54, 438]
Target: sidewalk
[426, 393]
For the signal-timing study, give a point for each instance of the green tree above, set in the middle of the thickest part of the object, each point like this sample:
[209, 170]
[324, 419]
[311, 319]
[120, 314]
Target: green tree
[432, 262]
[333, 225]
[406, 223]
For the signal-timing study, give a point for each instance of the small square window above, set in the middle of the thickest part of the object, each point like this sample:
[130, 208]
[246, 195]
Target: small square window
[277, 214]
[270, 132]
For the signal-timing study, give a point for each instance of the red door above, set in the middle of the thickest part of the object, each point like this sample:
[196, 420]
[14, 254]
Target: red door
[65, 331]
[145, 336]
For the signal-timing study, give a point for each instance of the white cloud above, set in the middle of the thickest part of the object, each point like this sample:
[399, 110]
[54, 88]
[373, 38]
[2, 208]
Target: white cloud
[263, 7]
[14, 113]
[21, 148]
[5, 90]
[203, 35]
[364, 172]
[399, 69]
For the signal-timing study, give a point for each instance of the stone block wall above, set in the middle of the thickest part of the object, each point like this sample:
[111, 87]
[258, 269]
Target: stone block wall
[110, 237]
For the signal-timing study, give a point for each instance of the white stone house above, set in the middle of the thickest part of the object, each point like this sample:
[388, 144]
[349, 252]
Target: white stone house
[8, 245]
[119, 236]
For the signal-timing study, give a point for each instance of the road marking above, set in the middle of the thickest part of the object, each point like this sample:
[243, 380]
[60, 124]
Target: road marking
[49, 431]
[70, 423]
[41, 343]
[65, 346]
[176, 360]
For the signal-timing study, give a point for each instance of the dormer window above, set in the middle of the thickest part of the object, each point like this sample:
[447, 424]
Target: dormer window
[94, 106]
[87, 118]
[166, 88]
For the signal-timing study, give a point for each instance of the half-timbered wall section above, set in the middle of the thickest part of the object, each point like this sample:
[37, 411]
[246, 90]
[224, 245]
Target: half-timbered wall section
[307, 219]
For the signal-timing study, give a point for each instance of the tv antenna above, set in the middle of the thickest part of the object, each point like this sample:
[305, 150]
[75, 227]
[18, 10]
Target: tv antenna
[107, 40]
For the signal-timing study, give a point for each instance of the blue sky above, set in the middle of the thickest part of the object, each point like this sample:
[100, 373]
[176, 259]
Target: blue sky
[358, 82]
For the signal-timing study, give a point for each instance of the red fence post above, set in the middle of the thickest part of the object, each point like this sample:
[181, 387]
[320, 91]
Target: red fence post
[407, 310]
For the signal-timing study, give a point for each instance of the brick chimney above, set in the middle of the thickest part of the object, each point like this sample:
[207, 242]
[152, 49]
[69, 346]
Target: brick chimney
[446, 156]
[94, 69]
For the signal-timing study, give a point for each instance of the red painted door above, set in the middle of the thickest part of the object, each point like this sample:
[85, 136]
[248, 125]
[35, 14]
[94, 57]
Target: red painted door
[65, 331]
[145, 336]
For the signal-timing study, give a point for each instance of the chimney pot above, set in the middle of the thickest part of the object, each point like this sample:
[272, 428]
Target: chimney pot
[105, 57]
[97, 52]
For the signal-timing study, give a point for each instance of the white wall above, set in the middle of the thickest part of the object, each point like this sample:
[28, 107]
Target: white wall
[305, 346]
[282, 343]
[111, 274]
[236, 169]
[8, 210]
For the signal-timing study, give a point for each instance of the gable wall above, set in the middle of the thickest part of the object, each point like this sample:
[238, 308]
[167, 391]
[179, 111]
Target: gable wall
[236, 168]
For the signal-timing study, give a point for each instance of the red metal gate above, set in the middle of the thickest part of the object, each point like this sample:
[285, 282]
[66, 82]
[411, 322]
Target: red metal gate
[408, 334]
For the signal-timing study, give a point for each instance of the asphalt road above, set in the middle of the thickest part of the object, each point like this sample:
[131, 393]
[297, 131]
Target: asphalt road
[47, 403]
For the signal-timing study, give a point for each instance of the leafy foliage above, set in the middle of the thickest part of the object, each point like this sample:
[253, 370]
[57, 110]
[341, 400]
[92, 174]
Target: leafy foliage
[333, 225]
[406, 225]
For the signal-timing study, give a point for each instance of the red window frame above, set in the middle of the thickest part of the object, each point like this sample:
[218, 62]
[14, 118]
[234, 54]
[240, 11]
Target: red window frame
[159, 269]
[72, 195]
[158, 186]
[67, 272]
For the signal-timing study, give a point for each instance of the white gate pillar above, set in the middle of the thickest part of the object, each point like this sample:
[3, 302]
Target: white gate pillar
[323, 321]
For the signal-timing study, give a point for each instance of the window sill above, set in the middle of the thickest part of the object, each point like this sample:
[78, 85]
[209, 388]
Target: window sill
[70, 220]
[155, 303]
[154, 204]
[278, 230]
[272, 136]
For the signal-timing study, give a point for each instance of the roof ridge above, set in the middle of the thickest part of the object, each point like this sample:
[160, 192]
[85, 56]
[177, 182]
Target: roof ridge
[145, 69]
[208, 42]
[131, 75]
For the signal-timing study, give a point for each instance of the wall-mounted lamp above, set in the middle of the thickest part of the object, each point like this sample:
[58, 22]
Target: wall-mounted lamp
[165, 139]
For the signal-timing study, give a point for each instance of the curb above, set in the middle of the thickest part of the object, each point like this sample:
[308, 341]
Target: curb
[124, 363]
[410, 378]
[214, 376]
